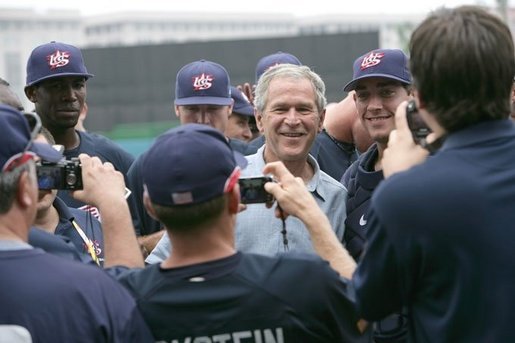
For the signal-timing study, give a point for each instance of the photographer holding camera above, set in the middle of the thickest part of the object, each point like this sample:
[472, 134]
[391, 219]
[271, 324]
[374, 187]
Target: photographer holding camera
[46, 297]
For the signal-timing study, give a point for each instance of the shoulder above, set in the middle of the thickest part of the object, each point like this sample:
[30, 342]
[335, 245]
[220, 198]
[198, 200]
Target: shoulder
[105, 147]
[331, 183]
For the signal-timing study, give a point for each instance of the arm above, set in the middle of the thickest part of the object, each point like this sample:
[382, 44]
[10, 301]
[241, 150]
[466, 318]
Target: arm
[104, 188]
[295, 199]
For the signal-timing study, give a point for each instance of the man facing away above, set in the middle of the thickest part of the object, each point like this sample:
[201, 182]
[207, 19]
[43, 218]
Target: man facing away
[206, 290]
[51, 298]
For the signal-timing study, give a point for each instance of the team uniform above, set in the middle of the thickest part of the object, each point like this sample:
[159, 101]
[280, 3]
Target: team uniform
[57, 245]
[71, 220]
[430, 262]
[245, 297]
[361, 180]
[61, 301]
[105, 149]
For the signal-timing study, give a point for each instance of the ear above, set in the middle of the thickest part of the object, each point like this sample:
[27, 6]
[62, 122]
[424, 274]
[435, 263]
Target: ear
[27, 195]
[30, 93]
[354, 96]
[234, 199]
[148, 206]
[420, 103]
[177, 111]
[321, 121]
[259, 121]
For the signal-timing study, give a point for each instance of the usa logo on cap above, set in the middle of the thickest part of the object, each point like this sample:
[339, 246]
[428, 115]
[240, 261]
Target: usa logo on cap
[374, 58]
[58, 59]
[203, 82]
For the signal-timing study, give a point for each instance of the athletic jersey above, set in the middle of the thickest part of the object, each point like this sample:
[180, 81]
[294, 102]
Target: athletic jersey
[58, 300]
[57, 245]
[105, 149]
[360, 180]
[246, 298]
[90, 226]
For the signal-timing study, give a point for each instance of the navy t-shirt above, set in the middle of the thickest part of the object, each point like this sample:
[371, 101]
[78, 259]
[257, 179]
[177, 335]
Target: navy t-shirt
[58, 300]
[288, 298]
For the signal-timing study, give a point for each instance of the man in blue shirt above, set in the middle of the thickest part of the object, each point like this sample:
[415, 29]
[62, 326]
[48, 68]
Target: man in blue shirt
[52, 298]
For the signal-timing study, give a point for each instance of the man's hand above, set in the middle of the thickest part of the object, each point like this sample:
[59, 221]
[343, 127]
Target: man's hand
[248, 90]
[289, 191]
[402, 153]
[102, 183]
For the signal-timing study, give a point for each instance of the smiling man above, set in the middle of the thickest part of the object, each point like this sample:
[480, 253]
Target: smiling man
[290, 109]
[56, 84]
[381, 81]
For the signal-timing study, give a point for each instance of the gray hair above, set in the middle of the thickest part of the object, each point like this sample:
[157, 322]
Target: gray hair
[9, 182]
[293, 72]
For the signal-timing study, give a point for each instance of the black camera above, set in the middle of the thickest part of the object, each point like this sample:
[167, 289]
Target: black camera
[419, 129]
[65, 174]
[252, 190]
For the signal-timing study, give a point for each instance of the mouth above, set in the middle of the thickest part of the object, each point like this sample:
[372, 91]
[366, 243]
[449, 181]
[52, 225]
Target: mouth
[292, 134]
[378, 118]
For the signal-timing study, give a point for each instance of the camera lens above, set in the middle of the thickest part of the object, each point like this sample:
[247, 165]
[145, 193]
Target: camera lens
[71, 179]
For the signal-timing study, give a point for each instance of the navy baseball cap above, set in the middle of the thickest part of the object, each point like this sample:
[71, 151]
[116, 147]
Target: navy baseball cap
[55, 59]
[203, 83]
[16, 141]
[274, 59]
[242, 104]
[190, 164]
[388, 63]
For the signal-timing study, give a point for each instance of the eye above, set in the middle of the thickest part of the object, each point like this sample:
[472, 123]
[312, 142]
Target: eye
[362, 96]
[387, 93]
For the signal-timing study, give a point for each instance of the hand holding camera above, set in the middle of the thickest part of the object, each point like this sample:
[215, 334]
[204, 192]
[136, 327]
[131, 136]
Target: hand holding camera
[252, 190]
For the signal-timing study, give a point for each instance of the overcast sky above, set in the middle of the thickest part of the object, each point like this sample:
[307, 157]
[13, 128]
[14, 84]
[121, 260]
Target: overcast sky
[296, 7]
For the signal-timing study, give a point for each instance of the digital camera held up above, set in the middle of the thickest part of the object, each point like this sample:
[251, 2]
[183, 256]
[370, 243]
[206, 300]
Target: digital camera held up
[65, 174]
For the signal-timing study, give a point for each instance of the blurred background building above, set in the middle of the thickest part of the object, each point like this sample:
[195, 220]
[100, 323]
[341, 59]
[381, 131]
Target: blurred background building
[136, 55]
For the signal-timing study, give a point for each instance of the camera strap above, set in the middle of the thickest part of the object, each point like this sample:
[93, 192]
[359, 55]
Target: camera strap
[283, 231]
[87, 241]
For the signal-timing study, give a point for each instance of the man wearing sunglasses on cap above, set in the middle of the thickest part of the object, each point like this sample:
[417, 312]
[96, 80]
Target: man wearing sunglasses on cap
[46, 297]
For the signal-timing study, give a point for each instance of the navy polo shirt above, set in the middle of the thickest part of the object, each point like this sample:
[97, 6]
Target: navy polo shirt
[441, 241]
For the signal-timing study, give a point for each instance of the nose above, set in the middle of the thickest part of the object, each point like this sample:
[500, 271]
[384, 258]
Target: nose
[69, 93]
[247, 134]
[291, 117]
[204, 117]
[375, 103]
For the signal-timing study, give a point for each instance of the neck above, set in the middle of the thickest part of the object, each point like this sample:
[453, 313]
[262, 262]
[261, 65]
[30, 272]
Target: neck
[299, 168]
[205, 243]
[14, 226]
[380, 151]
[67, 137]
[47, 219]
